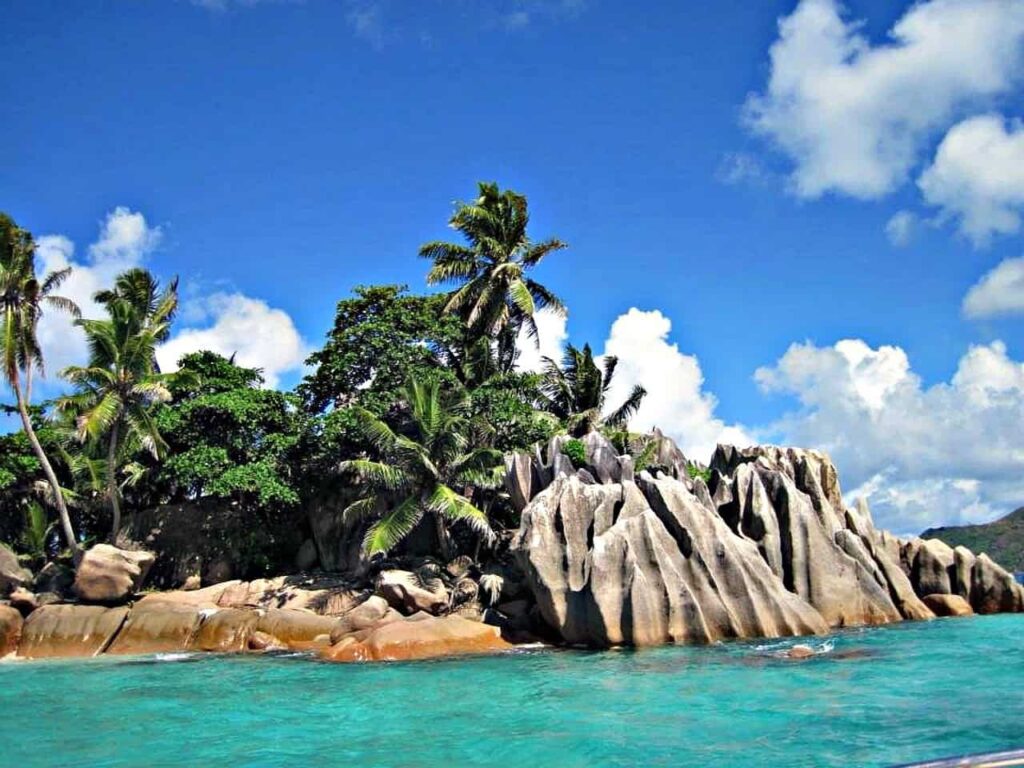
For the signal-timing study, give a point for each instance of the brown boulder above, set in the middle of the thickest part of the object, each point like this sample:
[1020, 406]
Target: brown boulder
[24, 601]
[296, 629]
[948, 605]
[12, 574]
[424, 638]
[107, 574]
[403, 592]
[70, 631]
[227, 630]
[993, 589]
[325, 596]
[10, 629]
[157, 628]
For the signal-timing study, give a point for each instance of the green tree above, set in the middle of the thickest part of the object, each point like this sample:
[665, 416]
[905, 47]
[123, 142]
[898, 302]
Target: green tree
[227, 437]
[418, 470]
[576, 391]
[116, 392]
[381, 337]
[23, 299]
[493, 294]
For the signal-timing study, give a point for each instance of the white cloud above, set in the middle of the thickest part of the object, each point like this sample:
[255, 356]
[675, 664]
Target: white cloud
[853, 116]
[741, 168]
[949, 453]
[258, 335]
[551, 337]
[124, 241]
[900, 229]
[999, 292]
[676, 401]
[262, 337]
[977, 176]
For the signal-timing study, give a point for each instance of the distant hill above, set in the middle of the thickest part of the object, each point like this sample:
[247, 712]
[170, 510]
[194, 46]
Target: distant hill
[1002, 540]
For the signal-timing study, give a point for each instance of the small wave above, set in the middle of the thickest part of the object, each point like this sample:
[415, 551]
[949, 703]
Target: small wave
[174, 656]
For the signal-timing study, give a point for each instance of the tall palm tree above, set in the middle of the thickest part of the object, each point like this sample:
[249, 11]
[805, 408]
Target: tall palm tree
[116, 391]
[23, 299]
[421, 473]
[494, 295]
[576, 391]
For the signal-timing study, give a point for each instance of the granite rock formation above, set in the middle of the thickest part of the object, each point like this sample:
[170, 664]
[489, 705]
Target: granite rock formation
[766, 548]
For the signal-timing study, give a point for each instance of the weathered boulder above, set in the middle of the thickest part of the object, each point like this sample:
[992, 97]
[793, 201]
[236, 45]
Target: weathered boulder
[157, 628]
[324, 595]
[419, 638]
[405, 593]
[296, 629]
[227, 630]
[366, 615]
[12, 573]
[767, 548]
[24, 601]
[933, 563]
[339, 541]
[70, 631]
[993, 589]
[10, 629]
[947, 605]
[110, 575]
[520, 480]
[611, 565]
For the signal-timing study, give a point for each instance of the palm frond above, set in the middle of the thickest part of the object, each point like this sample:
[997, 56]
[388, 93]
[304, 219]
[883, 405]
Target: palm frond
[393, 526]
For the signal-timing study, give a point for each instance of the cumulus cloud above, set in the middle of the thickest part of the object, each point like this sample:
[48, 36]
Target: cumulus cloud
[977, 177]
[676, 401]
[551, 337]
[852, 116]
[232, 324]
[125, 240]
[950, 453]
[901, 227]
[999, 292]
[262, 337]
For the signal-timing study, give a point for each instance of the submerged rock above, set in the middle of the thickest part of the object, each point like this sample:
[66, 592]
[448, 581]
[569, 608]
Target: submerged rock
[110, 575]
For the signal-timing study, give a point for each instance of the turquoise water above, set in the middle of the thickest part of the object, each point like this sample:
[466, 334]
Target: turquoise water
[908, 692]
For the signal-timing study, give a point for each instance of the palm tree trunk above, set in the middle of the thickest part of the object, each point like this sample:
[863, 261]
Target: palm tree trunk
[115, 503]
[51, 476]
[443, 542]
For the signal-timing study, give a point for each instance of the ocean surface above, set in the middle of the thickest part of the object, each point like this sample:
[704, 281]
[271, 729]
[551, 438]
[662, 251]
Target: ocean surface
[871, 697]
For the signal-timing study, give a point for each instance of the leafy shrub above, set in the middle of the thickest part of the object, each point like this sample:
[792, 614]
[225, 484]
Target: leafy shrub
[576, 451]
[695, 471]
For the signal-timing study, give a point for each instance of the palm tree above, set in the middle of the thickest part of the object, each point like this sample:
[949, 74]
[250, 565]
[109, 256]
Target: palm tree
[418, 474]
[494, 295]
[23, 298]
[118, 388]
[576, 391]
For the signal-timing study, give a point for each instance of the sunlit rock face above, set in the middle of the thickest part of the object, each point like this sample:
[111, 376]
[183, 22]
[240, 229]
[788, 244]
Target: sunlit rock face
[765, 548]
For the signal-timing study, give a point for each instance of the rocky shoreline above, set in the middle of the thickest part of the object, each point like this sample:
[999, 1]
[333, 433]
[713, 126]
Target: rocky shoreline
[606, 554]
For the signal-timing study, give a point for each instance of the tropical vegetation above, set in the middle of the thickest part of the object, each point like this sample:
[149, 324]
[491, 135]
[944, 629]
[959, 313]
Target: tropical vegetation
[402, 421]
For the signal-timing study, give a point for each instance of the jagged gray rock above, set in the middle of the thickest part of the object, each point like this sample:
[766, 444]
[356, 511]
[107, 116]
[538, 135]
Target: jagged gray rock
[767, 548]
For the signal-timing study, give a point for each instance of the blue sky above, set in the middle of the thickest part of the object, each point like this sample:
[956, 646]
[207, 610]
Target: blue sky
[274, 154]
